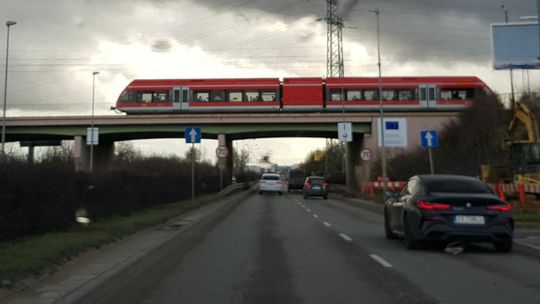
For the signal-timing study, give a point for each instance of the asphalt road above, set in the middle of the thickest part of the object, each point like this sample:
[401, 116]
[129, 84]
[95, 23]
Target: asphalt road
[284, 249]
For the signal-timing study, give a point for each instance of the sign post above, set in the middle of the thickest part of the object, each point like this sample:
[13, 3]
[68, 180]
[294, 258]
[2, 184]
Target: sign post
[430, 139]
[221, 153]
[193, 136]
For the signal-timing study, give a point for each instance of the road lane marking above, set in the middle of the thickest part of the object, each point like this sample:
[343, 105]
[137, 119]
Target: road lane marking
[315, 216]
[381, 260]
[527, 245]
[308, 210]
[345, 237]
[327, 224]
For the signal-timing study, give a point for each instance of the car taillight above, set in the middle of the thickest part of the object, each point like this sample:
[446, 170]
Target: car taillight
[308, 186]
[432, 206]
[278, 182]
[505, 207]
[325, 185]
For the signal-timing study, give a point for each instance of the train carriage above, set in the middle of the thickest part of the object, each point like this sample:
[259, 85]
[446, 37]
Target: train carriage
[300, 94]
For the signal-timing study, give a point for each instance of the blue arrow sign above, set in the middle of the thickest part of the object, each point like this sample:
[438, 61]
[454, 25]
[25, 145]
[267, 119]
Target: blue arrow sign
[430, 139]
[193, 135]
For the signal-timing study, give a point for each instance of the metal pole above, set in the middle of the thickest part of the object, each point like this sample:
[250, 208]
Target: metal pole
[381, 111]
[538, 18]
[193, 174]
[8, 24]
[92, 123]
[431, 166]
[512, 99]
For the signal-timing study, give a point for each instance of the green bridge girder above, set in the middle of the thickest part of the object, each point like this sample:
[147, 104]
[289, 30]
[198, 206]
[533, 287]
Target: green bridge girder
[210, 131]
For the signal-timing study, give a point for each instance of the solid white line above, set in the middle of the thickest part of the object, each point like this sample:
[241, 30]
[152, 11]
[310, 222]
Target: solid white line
[345, 237]
[315, 216]
[380, 260]
[527, 245]
[327, 224]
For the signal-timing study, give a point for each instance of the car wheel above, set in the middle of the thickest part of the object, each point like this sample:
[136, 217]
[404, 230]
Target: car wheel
[504, 246]
[280, 193]
[410, 241]
[325, 197]
[260, 192]
[305, 196]
[387, 230]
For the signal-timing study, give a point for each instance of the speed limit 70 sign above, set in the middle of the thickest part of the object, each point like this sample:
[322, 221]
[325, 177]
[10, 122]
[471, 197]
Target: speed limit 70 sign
[222, 151]
[365, 155]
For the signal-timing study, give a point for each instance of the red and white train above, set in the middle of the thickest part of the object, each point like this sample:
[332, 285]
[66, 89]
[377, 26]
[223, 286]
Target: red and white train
[300, 94]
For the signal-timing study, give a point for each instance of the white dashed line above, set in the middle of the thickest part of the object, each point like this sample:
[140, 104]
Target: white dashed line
[308, 210]
[327, 224]
[345, 237]
[315, 216]
[380, 260]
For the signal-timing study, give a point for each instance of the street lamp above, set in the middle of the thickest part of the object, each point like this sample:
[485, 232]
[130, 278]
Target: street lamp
[8, 24]
[381, 111]
[92, 133]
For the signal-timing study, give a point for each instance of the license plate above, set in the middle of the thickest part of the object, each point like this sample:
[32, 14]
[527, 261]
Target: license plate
[316, 187]
[469, 220]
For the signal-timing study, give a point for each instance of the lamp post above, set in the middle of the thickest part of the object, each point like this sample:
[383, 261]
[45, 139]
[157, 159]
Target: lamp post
[92, 123]
[8, 24]
[381, 111]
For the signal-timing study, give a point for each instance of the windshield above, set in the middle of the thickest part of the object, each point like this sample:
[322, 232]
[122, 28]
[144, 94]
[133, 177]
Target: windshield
[456, 186]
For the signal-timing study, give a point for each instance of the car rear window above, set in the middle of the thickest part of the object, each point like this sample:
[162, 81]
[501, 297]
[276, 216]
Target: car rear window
[270, 177]
[316, 181]
[457, 186]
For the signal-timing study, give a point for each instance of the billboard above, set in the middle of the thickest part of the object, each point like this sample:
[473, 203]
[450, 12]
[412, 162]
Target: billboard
[515, 45]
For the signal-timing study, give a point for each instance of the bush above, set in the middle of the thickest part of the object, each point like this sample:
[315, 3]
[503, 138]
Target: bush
[44, 197]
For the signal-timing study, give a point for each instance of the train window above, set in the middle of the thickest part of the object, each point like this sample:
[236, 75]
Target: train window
[354, 95]
[431, 93]
[145, 97]
[161, 96]
[127, 96]
[423, 93]
[252, 96]
[268, 96]
[201, 96]
[389, 95]
[371, 95]
[335, 95]
[405, 94]
[217, 95]
[456, 94]
[235, 96]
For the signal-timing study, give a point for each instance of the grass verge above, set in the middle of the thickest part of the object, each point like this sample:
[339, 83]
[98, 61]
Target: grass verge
[33, 255]
[526, 217]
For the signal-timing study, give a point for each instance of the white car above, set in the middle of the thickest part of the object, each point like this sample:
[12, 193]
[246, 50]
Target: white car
[271, 182]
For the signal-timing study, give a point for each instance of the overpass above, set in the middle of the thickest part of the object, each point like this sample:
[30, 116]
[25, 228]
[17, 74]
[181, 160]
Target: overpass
[227, 128]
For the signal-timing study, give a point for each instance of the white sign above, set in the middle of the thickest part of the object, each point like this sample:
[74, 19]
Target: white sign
[222, 151]
[92, 136]
[345, 131]
[395, 132]
[365, 155]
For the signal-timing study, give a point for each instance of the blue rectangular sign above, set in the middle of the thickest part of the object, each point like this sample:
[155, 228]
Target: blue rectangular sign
[193, 135]
[430, 139]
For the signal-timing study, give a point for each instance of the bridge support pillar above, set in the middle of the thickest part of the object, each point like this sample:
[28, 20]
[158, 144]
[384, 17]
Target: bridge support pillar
[103, 154]
[352, 156]
[226, 163]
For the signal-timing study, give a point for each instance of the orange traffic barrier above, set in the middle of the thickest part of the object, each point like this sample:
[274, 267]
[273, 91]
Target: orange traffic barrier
[500, 190]
[371, 189]
[521, 191]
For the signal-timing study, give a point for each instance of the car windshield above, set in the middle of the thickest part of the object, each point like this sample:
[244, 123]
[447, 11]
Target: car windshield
[316, 181]
[456, 186]
[270, 177]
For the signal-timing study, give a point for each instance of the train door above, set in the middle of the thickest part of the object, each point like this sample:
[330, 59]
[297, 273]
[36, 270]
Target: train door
[427, 96]
[180, 98]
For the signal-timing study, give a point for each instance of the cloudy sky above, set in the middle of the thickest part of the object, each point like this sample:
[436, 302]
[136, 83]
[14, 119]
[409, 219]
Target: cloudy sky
[57, 44]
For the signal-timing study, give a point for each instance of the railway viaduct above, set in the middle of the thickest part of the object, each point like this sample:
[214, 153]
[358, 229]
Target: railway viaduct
[231, 126]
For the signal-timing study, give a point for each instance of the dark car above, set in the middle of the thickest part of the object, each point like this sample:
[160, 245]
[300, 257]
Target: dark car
[315, 186]
[448, 208]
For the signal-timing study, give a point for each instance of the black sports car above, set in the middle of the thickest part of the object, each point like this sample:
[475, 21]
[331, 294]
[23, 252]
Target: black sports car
[448, 208]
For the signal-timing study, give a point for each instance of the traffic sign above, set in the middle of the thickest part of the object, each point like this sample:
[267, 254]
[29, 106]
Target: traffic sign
[345, 131]
[222, 151]
[92, 136]
[193, 135]
[365, 155]
[430, 139]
